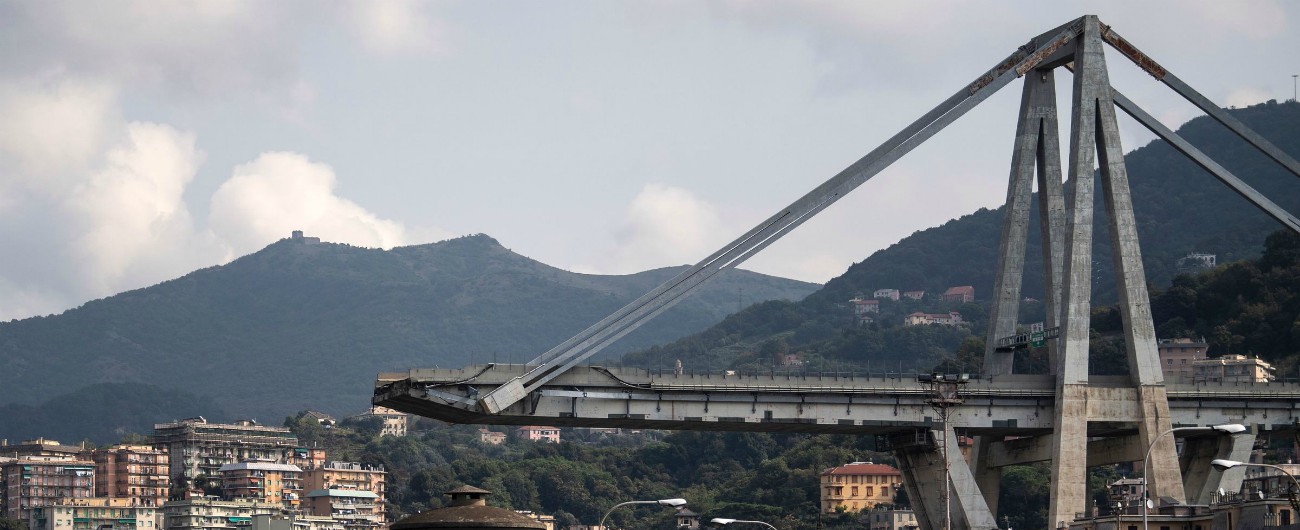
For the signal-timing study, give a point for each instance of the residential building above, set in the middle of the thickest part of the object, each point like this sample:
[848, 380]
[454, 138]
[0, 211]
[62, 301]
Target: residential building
[292, 522]
[1195, 262]
[40, 447]
[491, 437]
[887, 518]
[536, 433]
[395, 422]
[687, 519]
[960, 294]
[349, 476]
[548, 520]
[1262, 502]
[307, 458]
[863, 309]
[137, 473]
[197, 448]
[212, 514]
[1233, 368]
[39, 481]
[858, 486]
[262, 480]
[886, 294]
[944, 319]
[1177, 356]
[354, 509]
[96, 513]
[914, 295]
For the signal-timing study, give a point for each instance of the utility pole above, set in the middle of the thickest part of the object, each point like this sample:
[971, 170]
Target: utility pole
[947, 394]
[1293, 86]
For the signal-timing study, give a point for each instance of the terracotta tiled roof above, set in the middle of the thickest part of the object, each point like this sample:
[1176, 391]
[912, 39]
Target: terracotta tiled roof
[862, 469]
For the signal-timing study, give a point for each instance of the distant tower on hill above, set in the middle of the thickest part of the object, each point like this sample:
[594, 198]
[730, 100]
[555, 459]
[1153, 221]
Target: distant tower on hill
[297, 237]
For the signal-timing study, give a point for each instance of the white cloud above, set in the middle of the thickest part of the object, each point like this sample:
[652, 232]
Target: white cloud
[266, 199]
[395, 27]
[135, 228]
[52, 129]
[666, 226]
[1246, 96]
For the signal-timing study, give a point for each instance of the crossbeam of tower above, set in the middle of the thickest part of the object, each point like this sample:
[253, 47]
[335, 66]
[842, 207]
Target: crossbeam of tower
[1085, 414]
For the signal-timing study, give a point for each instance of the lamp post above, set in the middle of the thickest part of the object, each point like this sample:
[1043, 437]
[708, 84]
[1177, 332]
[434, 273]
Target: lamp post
[947, 394]
[1224, 465]
[724, 521]
[675, 503]
[1227, 428]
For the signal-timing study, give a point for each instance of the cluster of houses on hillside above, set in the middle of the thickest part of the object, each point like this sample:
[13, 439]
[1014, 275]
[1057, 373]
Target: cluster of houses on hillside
[866, 310]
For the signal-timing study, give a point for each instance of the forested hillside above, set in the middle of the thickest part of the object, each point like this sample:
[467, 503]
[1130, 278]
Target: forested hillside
[1179, 208]
[299, 325]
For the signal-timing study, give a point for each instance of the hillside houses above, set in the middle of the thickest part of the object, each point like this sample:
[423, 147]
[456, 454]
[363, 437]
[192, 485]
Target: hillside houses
[867, 310]
[918, 318]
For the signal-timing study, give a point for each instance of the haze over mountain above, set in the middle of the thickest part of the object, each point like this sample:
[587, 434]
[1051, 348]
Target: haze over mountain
[300, 325]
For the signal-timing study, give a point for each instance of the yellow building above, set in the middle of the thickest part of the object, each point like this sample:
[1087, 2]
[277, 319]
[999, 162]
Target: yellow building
[858, 486]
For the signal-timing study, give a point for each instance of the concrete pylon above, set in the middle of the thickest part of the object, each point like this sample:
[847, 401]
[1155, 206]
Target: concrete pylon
[1094, 138]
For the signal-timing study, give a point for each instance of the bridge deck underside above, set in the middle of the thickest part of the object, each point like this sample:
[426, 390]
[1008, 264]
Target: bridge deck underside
[1019, 405]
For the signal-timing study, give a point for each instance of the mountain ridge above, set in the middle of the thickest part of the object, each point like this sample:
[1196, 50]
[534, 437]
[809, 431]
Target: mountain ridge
[332, 315]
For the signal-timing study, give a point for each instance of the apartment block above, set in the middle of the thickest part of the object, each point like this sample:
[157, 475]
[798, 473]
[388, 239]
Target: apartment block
[39, 447]
[96, 513]
[1178, 356]
[348, 477]
[136, 473]
[37, 482]
[354, 509]
[858, 486]
[197, 448]
[262, 480]
[211, 514]
[345, 475]
[1233, 368]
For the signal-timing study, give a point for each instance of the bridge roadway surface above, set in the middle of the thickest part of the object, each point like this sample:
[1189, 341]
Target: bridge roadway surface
[1012, 405]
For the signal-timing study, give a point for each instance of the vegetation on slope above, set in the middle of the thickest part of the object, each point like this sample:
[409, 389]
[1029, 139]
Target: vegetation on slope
[298, 326]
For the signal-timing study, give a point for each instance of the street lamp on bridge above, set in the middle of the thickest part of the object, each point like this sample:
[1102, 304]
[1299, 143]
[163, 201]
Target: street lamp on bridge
[1227, 428]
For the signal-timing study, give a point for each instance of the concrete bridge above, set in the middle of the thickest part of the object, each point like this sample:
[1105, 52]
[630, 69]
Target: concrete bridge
[1066, 417]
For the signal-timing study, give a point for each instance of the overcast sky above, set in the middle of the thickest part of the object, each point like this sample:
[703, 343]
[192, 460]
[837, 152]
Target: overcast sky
[142, 140]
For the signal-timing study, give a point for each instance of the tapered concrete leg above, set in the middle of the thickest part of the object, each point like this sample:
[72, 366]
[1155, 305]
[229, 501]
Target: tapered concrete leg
[1005, 311]
[922, 465]
[1200, 479]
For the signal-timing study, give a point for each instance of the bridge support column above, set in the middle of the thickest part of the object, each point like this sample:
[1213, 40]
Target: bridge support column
[1095, 144]
[922, 464]
[1200, 479]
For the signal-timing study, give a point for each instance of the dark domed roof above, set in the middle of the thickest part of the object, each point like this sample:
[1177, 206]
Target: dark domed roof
[468, 511]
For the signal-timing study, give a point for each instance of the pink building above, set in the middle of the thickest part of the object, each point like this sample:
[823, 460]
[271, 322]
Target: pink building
[539, 433]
